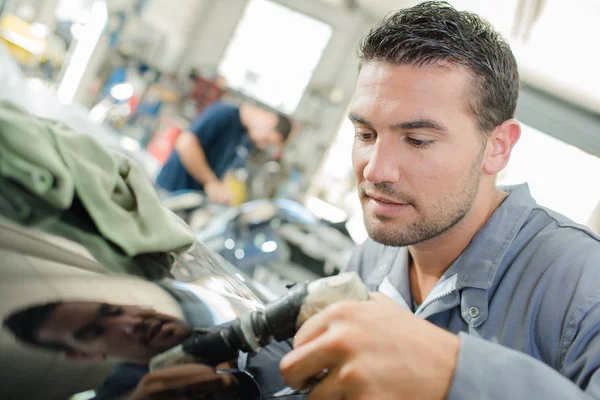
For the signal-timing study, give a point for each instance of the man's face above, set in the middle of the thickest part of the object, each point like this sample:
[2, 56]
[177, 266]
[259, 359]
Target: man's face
[417, 154]
[262, 130]
[127, 332]
[265, 136]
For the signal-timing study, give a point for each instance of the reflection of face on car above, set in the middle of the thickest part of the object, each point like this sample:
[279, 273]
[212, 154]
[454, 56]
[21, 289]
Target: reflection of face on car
[92, 326]
[101, 319]
[85, 329]
[97, 330]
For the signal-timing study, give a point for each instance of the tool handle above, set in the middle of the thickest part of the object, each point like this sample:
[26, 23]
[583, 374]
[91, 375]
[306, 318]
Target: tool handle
[326, 291]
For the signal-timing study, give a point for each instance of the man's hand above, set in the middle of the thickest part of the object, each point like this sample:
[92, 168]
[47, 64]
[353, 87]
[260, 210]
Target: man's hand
[183, 381]
[372, 350]
[218, 192]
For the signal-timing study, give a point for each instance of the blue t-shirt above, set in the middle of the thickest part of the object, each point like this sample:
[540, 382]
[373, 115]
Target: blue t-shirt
[222, 136]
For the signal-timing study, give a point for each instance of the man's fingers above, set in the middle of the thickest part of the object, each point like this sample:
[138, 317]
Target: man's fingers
[182, 376]
[316, 325]
[178, 371]
[210, 381]
[328, 389]
[378, 296]
[307, 362]
[341, 311]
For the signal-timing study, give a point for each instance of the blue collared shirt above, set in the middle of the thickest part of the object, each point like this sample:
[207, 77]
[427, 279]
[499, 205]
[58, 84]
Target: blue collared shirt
[524, 298]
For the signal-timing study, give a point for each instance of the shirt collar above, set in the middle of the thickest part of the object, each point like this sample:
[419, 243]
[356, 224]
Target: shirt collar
[474, 268]
[477, 265]
[396, 284]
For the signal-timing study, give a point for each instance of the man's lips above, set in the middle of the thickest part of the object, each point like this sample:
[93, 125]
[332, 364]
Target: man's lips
[384, 206]
[153, 330]
[385, 200]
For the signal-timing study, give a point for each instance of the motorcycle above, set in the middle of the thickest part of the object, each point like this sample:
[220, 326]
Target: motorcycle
[115, 108]
[276, 236]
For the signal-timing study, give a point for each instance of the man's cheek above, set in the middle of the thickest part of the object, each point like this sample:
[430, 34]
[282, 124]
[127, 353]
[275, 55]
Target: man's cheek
[440, 172]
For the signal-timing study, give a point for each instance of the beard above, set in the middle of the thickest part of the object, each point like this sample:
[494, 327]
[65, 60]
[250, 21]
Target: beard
[448, 211]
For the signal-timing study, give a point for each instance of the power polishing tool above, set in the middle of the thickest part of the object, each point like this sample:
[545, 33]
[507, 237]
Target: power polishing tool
[279, 320]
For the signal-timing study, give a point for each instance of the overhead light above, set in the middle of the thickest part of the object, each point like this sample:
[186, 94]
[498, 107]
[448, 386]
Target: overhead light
[39, 30]
[82, 54]
[76, 31]
[239, 254]
[122, 91]
[130, 144]
[269, 246]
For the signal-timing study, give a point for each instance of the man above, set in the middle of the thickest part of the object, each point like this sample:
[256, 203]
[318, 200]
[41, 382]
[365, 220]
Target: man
[203, 155]
[495, 296]
[133, 335]
[91, 330]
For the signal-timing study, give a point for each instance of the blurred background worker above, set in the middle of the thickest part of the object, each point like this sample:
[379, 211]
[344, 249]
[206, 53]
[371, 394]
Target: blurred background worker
[203, 155]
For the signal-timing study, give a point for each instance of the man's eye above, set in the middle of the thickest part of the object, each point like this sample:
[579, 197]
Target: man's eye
[97, 331]
[108, 310]
[93, 333]
[116, 311]
[365, 136]
[418, 143]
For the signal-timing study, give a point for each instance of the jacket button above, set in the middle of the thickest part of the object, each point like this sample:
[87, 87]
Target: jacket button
[473, 312]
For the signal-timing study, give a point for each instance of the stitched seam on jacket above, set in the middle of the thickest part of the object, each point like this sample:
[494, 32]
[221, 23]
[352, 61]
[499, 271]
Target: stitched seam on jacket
[573, 322]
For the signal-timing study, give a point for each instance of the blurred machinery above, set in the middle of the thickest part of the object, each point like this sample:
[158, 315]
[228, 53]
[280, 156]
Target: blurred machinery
[273, 240]
[31, 44]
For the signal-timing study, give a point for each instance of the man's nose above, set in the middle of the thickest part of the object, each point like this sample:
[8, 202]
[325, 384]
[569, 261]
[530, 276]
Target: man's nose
[383, 163]
[126, 324]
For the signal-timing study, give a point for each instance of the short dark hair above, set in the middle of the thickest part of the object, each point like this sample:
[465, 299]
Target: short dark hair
[26, 323]
[433, 32]
[284, 126]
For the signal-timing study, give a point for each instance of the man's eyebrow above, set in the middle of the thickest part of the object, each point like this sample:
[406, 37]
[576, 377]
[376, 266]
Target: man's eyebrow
[359, 120]
[424, 123]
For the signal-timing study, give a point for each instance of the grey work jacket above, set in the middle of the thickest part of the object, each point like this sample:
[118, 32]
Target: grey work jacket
[524, 298]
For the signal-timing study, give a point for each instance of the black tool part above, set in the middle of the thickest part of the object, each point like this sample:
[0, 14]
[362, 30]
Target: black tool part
[260, 328]
[277, 321]
[213, 348]
[238, 337]
[281, 315]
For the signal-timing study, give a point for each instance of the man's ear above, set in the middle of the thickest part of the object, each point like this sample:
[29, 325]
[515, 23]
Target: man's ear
[73, 355]
[500, 146]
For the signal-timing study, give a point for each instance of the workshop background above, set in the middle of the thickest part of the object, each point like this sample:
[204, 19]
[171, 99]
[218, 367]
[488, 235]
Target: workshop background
[138, 71]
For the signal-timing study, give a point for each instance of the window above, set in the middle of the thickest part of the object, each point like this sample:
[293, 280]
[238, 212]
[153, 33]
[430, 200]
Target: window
[560, 47]
[560, 176]
[273, 54]
[558, 50]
